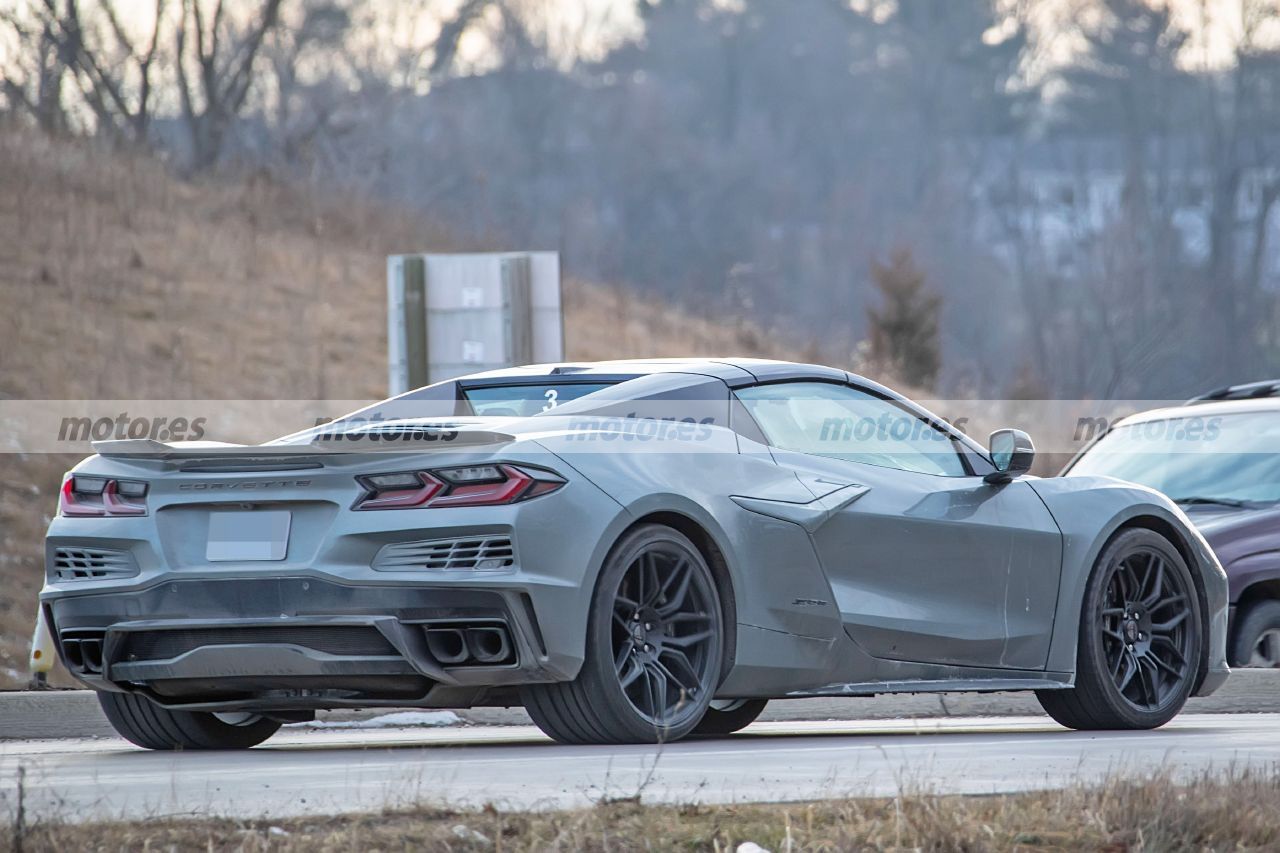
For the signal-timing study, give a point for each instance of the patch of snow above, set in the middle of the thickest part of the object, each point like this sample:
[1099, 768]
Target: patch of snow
[466, 833]
[751, 847]
[398, 720]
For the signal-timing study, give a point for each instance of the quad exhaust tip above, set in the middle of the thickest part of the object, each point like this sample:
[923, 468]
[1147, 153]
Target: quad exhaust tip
[83, 654]
[486, 645]
[447, 645]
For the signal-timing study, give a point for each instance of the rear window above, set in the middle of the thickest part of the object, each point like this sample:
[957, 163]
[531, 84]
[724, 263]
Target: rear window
[524, 400]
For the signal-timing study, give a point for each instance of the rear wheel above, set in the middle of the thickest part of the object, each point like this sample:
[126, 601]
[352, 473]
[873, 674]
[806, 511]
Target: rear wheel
[725, 718]
[141, 721]
[1256, 641]
[1140, 639]
[654, 648]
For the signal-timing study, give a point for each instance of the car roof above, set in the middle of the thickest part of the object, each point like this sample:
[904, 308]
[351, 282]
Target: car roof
[1201, 409]
[734, 371]
[1247, 391]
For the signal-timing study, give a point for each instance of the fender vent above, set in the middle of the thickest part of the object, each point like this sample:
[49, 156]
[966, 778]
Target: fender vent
[480, 553]
[83, 564]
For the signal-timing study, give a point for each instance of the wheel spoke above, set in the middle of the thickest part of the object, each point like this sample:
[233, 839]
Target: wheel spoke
[685, 618]
[676, 600]
[682, 691]
[1155, 568]
[1132, 589]
[1147, 681]
[1159, 664]
[649, 569]
[1170, 645]
[642, 578]
[681, 670]
[659, 681]
[689, 639]
[627, 678]
[1167, 602]
[1129, 672]
[1169, 624]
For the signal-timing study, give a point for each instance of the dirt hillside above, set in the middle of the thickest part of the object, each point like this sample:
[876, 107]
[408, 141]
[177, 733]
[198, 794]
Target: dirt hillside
[118, 281]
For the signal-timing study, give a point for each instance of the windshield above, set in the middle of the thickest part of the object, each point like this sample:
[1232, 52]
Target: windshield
[1196, 459]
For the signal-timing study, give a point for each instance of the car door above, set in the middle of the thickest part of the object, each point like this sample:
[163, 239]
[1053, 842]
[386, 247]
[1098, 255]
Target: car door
[927, 561]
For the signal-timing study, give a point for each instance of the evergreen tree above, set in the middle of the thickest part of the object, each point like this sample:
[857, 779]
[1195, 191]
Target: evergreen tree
[904, 331]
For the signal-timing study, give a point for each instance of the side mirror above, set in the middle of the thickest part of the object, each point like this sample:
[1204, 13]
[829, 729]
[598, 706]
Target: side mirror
[1012, 453]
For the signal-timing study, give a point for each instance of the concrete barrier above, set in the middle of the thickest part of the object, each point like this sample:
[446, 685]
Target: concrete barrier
[26, 715]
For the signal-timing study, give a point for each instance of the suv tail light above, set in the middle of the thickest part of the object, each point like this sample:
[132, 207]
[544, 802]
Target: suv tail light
[101, 496]
[468, 485]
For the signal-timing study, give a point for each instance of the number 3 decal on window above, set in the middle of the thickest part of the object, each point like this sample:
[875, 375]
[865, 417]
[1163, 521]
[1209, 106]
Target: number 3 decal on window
[552, 396]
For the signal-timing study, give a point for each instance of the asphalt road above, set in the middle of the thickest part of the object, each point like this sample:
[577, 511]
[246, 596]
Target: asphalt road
[328, 771]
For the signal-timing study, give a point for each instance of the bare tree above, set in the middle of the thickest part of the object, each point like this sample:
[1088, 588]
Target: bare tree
[111, 69]
[31, 79]
[216, 62]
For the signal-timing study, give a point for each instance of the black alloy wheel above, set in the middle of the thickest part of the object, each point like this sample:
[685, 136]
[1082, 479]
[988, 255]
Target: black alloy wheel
[1141, 638]
[655, 648]
[1147, 628]
[666, 627]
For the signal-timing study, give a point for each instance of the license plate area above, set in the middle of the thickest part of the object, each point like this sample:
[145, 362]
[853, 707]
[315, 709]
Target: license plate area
[238, 536]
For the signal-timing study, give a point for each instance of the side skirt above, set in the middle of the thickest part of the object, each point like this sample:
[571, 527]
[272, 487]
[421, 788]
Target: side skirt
[1042, 681]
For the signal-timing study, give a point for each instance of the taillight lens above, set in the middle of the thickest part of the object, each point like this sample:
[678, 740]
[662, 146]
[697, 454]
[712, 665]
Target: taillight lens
[102, 496]
[469, 485]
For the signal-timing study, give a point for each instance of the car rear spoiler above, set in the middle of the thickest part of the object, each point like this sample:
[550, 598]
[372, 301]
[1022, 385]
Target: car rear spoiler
[414, 440]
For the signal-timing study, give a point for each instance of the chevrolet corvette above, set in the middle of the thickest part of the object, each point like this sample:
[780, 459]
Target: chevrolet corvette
[633, 551]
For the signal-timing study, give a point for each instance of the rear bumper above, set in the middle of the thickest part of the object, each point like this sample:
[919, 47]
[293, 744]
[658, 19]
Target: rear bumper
[301, 643]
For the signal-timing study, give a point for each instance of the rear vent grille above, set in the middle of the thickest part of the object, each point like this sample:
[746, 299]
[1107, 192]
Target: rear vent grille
[348, 640]
[478, 553]
[83, 564]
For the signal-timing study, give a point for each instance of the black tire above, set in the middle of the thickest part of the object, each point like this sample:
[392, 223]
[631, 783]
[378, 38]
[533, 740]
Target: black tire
[1140, 640]
[734, 718]
[1255, 641]
[655, 575]
[143, 722]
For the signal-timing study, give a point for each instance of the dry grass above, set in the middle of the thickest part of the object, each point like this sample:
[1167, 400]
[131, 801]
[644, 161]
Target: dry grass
[119, 282]
[1235, 813]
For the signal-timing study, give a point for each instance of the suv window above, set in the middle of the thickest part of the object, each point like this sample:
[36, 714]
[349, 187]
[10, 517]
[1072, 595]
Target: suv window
[825, 419]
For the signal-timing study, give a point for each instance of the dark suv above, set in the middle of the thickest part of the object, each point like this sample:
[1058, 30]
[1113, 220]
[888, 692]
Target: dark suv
[1218, 457]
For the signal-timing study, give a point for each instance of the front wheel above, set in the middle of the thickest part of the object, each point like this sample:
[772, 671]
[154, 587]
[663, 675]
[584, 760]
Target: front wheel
[654, 648]
[143, 722]
[1140, 639]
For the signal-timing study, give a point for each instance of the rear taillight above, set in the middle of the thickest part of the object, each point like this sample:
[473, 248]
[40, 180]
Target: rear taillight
[470, 485]
[102, 496]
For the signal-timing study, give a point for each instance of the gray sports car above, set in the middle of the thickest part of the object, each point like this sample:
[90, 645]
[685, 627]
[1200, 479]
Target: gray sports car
[633, 551]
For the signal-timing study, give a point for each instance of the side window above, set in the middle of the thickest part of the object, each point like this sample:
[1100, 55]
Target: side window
[824, 419]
